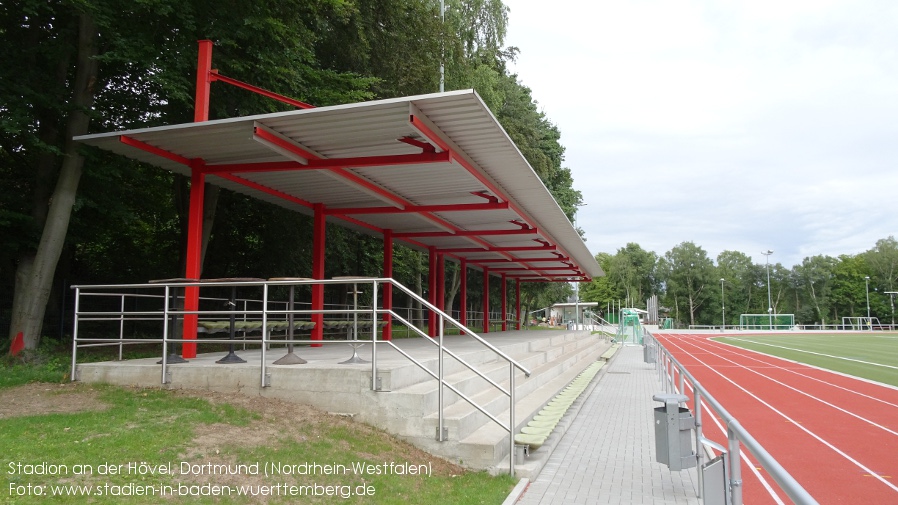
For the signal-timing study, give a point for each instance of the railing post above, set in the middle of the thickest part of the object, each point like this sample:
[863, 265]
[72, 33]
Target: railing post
[511, 420]
[265, 334]
[121, 327]
[165, 335]
[440, 373]
[735, 483]
[75, 334]
[682, 390]
[699, 451]
[374, 329]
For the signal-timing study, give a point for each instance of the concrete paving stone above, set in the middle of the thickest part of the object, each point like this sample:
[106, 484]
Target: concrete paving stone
[607, 456]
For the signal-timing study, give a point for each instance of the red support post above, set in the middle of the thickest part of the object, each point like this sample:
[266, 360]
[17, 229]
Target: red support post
[517, 303]
[431, 290]
[441, 282]
[318, 243]
[463, 293]
[194, 256]
[486, 300]
[388, 288]
[504, 304]
[203, 81]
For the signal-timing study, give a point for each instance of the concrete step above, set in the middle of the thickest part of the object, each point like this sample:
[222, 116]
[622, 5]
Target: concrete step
[462, 419]
[487, 445]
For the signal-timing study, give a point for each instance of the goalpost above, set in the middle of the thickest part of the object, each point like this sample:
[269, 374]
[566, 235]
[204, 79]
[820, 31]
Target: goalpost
[629, 329]
[859, 323]
[766, 321]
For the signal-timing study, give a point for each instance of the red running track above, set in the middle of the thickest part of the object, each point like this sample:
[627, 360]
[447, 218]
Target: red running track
[836, 435]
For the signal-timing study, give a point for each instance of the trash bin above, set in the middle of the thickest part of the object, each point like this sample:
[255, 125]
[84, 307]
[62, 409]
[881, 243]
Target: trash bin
[673, 432]
[648, 353]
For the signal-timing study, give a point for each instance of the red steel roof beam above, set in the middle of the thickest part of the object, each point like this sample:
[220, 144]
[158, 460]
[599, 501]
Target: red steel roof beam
[515, 260]
[215, 76]
[419, 208]
[424, 130]
[465, 233]
[143, 146]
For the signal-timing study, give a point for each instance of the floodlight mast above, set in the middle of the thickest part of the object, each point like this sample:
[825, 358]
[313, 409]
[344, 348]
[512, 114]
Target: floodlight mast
[769, 298]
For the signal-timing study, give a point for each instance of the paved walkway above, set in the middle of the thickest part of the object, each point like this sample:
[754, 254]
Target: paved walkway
[608, 453]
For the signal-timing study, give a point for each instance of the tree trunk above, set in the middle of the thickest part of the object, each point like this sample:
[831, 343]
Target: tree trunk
[182, 202]
[419, 290]
[454, 286]
[34, 280]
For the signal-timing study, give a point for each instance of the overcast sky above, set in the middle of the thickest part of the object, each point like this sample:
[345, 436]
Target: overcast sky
[737, 125]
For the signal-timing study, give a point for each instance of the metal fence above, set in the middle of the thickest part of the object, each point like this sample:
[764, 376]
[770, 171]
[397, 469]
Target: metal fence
[160, 306]
[676, 378]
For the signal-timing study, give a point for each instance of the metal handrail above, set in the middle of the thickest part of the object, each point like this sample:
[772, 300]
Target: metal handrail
[373, 310]
[667, 367]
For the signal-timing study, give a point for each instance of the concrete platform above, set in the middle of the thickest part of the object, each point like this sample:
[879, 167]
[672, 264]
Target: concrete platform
[406, 401]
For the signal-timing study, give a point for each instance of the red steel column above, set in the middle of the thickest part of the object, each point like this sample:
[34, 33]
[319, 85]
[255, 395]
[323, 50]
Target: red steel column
[463, 293]
[517, 303]
[486, 300]
[441, 282]
[203, 69]
[504, 304]
[432, 290]
[388, 288]
[318, 242]
[194, 255]
[195, 213]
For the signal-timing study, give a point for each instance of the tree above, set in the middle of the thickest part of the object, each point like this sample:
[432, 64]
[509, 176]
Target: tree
[633, 270]
[601, 289]
[129, 60]
[735, 268]
[848, 287]
[814, 277]
[688, 274]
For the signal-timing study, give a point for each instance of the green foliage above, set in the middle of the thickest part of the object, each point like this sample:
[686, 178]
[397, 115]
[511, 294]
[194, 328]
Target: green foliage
[688, 274]
[128, 220]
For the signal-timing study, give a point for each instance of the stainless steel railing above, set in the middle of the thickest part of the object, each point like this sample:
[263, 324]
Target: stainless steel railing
[265, 314]
[675, 377]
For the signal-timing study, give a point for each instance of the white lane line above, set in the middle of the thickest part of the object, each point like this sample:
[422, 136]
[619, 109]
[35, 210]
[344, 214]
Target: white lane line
[817, 353]
[753, 355]
[742, 453]
[809, 395]
[797, 425]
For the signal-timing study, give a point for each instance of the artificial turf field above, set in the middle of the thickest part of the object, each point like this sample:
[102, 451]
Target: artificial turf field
[871, 356]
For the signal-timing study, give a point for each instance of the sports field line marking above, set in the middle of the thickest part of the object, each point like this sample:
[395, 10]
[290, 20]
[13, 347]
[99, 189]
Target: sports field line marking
[809, 395]
[750, 354]
[816, 353]
[797, 425]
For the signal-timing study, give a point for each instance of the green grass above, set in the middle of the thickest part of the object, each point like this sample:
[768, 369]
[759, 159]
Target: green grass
[871, 356]
[159, 427]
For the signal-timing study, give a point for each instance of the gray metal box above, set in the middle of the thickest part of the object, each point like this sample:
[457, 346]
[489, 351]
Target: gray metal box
[648, 353]
[674, 427]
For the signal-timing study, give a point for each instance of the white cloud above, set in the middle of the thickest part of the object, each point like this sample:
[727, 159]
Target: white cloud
[738, 125]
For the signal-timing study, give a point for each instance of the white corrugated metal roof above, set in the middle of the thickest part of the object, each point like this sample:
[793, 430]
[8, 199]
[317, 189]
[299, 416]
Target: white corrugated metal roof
[445, 150]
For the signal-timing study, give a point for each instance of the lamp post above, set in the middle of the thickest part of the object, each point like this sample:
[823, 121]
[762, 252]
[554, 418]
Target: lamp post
[577, 284]
[769, 299]
[723, 308]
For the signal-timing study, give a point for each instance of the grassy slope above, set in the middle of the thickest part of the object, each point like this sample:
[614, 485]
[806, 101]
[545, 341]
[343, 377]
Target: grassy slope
[156, 426]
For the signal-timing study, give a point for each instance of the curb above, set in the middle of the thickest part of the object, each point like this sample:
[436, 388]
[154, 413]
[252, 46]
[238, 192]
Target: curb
[516, 493]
